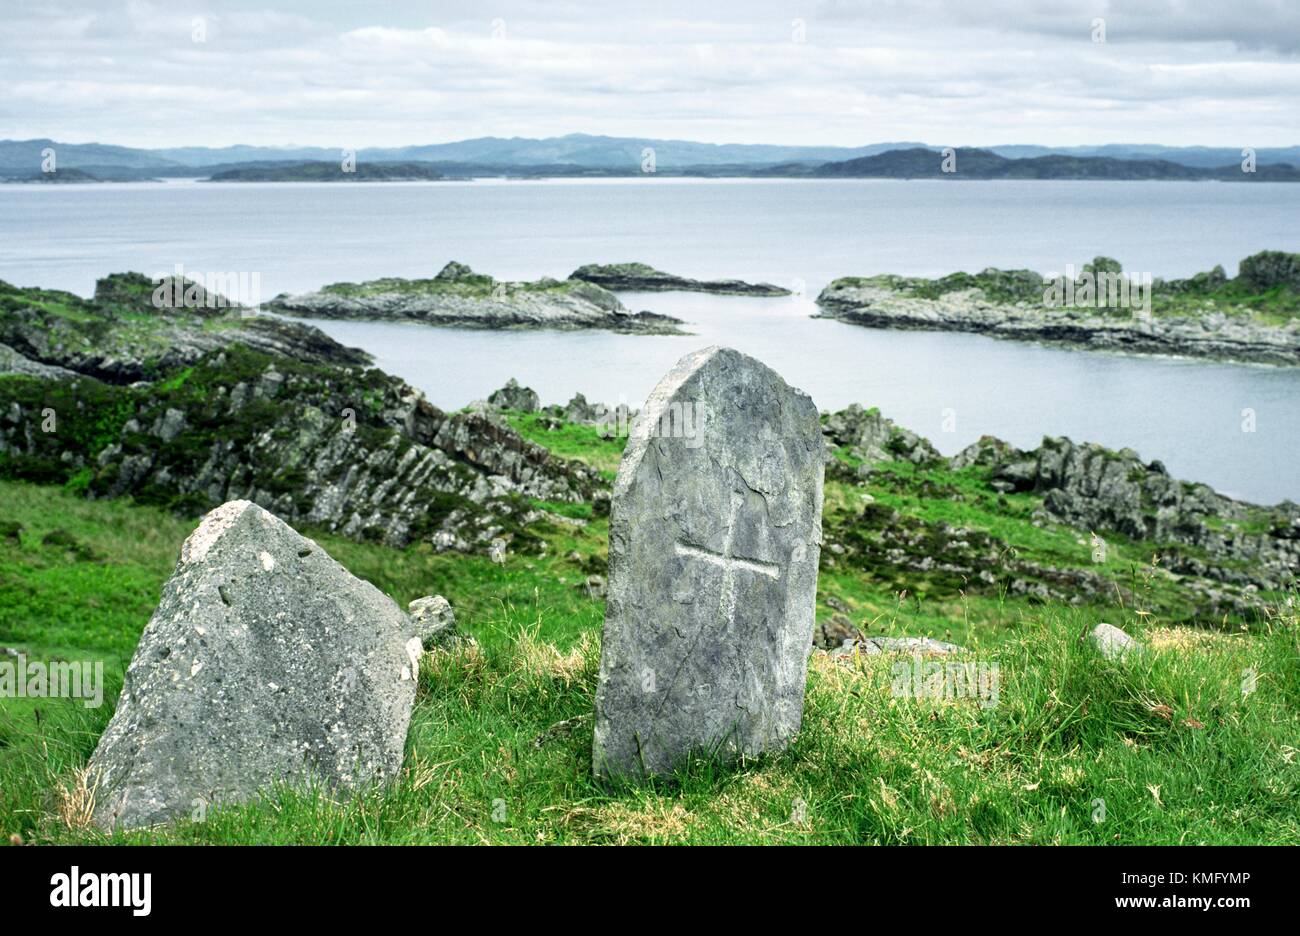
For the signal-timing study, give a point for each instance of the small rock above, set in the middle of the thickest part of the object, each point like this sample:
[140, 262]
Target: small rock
[1113, 643]
[435, 622]
[514, 397]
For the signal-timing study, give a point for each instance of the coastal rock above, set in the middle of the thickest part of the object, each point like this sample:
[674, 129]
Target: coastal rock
[1271, 268]
[121, 338]
[987, 452]
[640, 277]
[353, 451]
[458, 296]
[265, 662]
[944, 561]
[712, 570]
[581, 412]
[1010, 304]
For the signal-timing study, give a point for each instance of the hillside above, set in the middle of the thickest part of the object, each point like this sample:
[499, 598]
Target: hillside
[503, 509]
[1168, 747]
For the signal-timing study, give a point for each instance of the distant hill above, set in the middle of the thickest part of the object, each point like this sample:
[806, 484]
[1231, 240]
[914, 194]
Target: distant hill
[330, 172]
[1203, 157]
[922, 163]
[579, 155]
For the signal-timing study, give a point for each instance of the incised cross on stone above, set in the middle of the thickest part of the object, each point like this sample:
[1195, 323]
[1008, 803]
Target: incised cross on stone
[729, 562]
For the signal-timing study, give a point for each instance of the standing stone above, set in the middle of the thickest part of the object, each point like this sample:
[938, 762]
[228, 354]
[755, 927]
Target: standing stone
[266, 661]
[714, 538]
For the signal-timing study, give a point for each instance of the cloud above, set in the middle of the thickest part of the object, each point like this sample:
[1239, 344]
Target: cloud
[340, 73]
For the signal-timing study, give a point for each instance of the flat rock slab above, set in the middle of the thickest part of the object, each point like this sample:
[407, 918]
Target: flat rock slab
[265, 662]
[715, 533]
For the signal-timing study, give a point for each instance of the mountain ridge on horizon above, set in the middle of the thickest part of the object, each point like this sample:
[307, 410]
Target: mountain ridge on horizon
[580, 150]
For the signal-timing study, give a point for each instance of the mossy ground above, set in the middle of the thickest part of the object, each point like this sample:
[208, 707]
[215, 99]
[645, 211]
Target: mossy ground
[1192, 742]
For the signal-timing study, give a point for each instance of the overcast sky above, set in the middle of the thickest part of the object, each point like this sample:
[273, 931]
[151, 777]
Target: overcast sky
[375, 73]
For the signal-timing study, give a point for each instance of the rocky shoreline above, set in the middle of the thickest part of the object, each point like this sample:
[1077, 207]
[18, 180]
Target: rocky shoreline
[640, 277]
[459, 297]
[1216, 336]
[1207, 316]
[200, 409]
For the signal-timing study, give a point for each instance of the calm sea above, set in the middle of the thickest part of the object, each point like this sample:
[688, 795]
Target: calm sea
[795, 233]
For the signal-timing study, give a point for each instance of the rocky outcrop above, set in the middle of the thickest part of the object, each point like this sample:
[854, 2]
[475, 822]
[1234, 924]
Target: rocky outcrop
[11, 362]
[514, 397]
[1200, 531]
[1204, 316]
[639, 277]
[868, 438]
[1215, 335]
[122, 337]
[347, 449]
[459, 297]
[942, 560]
[266, 662]
[1271, 268]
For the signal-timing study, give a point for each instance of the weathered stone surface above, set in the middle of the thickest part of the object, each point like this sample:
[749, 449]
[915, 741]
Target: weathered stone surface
[435, 622]
[1094, 488]
[1113, 643]
[872, 438]
[11, 362]
[266, 661]
[514, 397]
[715, 534]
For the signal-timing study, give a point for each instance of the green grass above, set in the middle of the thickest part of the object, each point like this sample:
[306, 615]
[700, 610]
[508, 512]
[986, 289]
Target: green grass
[571, 440]
[499, 751]
[500, 743]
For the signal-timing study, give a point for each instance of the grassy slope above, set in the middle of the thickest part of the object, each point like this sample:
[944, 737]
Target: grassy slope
[499, 745]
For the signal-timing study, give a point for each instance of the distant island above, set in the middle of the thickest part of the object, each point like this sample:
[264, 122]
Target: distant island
[1253, 317]
[640, 277]
[58, 177]
[962, 163]
[330, 172]
[461, 298]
